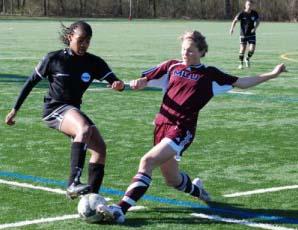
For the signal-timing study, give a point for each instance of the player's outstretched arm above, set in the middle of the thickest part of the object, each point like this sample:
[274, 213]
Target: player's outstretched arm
[9, 120]
[140, 83]
[233, 25]
[118, 85]
[247, 82]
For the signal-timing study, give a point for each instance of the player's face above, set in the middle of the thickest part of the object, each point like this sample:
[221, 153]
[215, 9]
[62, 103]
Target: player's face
[190, 53]
[79, 42]
[248, 5]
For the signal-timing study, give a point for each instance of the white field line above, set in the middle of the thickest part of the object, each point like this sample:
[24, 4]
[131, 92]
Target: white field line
[25, 185]
[241, 92]
[258, 191]
[19, 58]
[241, 222]
[136, 208]
[38, 221]
[42, 188]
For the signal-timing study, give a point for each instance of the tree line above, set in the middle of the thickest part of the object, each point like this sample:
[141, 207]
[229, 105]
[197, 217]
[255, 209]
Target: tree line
[270, 10]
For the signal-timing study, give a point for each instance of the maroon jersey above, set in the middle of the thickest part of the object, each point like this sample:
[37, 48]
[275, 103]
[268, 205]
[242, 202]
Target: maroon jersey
[188, 90]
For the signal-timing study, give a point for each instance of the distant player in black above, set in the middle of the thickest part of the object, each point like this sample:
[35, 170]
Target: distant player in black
[70, 72]
[249, 22]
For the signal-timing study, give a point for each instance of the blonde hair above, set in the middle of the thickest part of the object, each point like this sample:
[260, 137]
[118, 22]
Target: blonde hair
[198, 39]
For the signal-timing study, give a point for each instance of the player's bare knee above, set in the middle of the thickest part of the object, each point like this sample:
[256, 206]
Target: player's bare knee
[84, 133]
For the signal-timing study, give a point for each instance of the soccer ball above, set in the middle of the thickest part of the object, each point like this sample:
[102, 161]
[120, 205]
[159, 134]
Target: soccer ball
[87, 207]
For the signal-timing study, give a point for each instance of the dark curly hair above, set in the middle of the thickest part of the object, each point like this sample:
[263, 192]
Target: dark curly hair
[65, 31]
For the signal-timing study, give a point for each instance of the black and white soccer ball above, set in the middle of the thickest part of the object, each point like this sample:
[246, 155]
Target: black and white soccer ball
[87, 207]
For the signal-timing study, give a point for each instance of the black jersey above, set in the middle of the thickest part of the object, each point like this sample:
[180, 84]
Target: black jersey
[69, 76]
[247, 22]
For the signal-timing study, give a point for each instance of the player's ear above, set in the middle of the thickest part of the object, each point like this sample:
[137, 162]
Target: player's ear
[69, 37]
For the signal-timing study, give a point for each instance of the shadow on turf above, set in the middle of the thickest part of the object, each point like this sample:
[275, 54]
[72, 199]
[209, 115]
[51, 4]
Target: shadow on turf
[164, 215]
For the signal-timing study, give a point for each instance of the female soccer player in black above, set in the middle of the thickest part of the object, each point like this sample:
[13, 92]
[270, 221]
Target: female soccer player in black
[249, 22]
[70, 71]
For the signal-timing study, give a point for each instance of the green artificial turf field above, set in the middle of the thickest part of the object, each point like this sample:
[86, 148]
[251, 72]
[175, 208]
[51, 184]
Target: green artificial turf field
[245, 140]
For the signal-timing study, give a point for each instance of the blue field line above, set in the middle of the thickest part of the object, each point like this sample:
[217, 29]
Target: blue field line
[188, 204]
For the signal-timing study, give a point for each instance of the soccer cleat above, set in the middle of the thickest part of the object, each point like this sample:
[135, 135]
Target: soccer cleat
[204, 195]
[240, 66]
[247, 63]
[112, 213]
[75, 190]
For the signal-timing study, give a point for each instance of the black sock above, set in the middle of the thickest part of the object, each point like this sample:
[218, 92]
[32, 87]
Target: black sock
[249, 54]
[241, 57]
[96, 174]
[77, 160]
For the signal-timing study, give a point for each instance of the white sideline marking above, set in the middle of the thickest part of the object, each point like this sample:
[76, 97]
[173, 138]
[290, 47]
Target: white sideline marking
[136, 208]
[25, 185]
[258, 191]
[240, 92]
[38, 221]
[241, 222]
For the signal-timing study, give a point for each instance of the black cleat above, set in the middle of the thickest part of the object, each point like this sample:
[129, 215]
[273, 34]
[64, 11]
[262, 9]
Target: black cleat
[75, 190]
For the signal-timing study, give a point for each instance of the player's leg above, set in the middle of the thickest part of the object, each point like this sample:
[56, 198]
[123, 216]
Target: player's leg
[252, 47]
[241, 53]
[97, 147]
[182, 182]
[140, 183]
[75, 124]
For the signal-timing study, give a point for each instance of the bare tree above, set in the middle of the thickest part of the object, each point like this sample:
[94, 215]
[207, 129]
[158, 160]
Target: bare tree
[3, 6]
[228, 9]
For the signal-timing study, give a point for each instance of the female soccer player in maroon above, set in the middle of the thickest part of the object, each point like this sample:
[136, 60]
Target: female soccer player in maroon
[189, 87]
[70, 72]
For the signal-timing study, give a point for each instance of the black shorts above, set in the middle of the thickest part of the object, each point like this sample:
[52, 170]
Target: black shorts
[248, 39]
[55, 118]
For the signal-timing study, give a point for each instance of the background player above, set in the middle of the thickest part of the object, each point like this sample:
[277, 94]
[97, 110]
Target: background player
[70, 72]
[190, 86]
[249, 22]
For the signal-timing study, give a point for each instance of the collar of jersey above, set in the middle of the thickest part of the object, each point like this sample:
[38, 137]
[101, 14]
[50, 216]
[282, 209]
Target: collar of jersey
[68, 51]
[196, 66]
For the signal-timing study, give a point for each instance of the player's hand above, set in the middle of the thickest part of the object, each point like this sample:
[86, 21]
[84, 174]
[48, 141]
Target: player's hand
[278, 70]
[253, 30]
[118, 85]
[138, 84]
[9, 120]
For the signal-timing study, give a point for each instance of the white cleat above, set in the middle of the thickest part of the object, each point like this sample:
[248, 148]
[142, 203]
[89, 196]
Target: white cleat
[111, 213]
[240, 66]
[204, 195]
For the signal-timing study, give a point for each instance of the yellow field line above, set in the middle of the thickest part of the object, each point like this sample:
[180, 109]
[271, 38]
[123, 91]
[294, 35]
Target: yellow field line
[285, 56]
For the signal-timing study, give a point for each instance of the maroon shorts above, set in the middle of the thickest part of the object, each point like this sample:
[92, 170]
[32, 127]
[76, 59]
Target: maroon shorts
[178, 138]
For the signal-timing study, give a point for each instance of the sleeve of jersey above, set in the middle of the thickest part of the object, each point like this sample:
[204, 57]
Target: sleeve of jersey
[239, 16]
[222, 82]
[105, 73]
[40, 72]
[158, 71]
[28, 86]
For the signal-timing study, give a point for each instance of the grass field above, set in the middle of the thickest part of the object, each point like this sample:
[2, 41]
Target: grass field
[244, 142]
